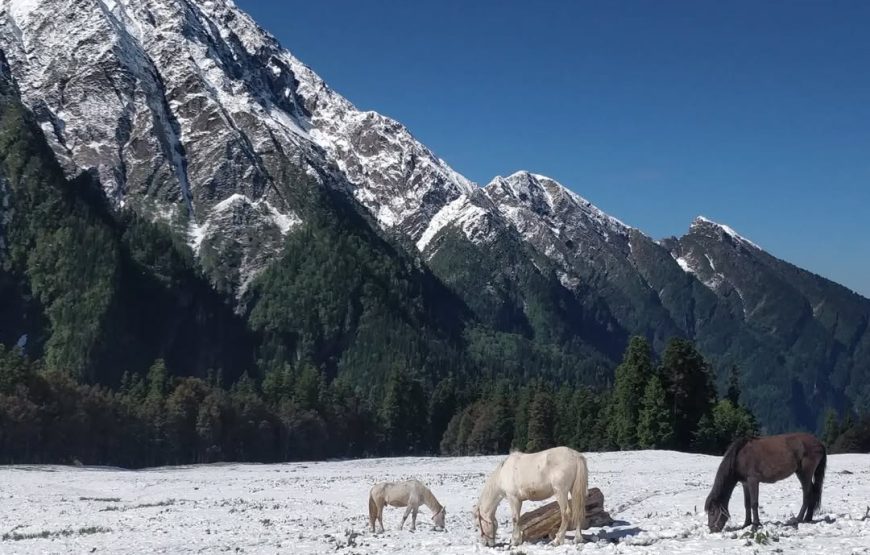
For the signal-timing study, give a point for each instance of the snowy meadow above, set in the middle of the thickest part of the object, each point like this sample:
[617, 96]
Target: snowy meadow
[656, 498]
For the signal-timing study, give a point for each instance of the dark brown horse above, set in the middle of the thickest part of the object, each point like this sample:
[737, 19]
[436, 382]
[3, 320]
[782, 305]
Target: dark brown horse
[767, 459]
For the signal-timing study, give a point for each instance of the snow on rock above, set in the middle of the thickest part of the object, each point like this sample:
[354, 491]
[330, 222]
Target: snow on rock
[702, 221]
[546, 196]
[684, 264]
[460, 212]
[656, 497]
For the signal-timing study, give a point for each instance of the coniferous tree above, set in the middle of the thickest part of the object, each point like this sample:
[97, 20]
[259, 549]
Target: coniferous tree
[521, 418]
[449, 441]
[588, 418]
[309, 388]
[466, 427]
[631, 378]
[655, 425]
[725, 423]
[542, 415]
[690, 388]
[403, 414]
[566, 416]
[503, 420]
[442, 408]
[210, 426]
[733, 393]
[832, 427]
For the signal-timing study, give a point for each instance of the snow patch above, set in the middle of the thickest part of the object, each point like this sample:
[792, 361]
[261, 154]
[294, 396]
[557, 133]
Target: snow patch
[684, 264]
[20, 9]
[460, 212]
[733, 234]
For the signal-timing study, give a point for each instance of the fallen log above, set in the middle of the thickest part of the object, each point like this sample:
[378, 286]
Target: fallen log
[544, 521]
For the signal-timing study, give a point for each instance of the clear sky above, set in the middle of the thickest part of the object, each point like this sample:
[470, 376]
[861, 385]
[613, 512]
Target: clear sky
[753, 113]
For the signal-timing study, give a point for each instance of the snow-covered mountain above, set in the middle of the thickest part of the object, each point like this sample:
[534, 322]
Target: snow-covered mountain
[191, 114]
[189, 111]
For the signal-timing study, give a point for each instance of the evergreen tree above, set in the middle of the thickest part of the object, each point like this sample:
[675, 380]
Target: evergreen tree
[733, 393]
[309, 388]
[503, 418]
[542, 415]
[466, 427]
[631, 377]
[403, 414]
[566, 416]
[157, 380]
[690, 388]
[279, 384]
[723, 425]
[449, 441]
[832, 427]
[210, 426]
[442, 407]
[655, 425]
[182, 413]
[521, 418]
[588, 418]
[15, 370]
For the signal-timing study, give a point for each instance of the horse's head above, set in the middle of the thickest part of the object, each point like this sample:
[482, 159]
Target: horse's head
[487, 527]
[717, 515]
[438, 518]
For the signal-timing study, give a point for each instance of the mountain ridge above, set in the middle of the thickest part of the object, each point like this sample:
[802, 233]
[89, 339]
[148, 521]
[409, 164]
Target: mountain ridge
[192, 115]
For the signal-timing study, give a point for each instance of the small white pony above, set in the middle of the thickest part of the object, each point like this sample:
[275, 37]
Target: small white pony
[411, 494]
[534, 477]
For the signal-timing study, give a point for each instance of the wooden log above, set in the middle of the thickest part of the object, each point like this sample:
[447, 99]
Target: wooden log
[544, 521]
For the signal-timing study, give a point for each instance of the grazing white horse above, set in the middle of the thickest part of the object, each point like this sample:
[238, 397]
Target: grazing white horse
[559, 471]
[411, 494]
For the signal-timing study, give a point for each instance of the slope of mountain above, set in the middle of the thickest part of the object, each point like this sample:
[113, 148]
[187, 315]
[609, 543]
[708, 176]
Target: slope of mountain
[816, 331]
[97, 293]
[185, 112]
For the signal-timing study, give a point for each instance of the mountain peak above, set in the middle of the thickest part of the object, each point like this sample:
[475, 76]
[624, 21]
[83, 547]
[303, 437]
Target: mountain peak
[701, 222]
[546, 196]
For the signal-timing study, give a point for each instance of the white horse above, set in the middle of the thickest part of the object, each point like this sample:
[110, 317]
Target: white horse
[411, 494]
[535, 477]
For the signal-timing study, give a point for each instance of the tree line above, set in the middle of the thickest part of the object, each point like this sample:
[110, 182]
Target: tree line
[298, 413]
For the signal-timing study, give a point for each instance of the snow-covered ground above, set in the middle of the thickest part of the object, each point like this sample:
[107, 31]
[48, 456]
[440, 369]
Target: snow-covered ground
[657, 498]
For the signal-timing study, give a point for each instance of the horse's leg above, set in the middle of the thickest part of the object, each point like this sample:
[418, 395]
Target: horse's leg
[516, 507]
[405, 517]
[381, 514]
[747, 504]
[753, 495]
[807, 488]
[414, 519]
[562, 500]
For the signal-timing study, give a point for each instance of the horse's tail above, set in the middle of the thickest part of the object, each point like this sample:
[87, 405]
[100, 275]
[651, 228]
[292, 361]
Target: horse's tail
[578, 495]
[373, 510]
[819, 480]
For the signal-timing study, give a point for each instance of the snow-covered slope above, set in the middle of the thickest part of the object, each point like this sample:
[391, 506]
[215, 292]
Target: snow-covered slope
[656, 497]
[557, 221]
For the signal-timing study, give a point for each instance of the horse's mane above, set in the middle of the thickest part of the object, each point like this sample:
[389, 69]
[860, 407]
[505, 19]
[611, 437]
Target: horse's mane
[725, 474]
[491, 481]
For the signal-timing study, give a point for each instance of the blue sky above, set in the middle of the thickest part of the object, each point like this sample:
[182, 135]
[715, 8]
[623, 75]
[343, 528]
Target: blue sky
[753, 113]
